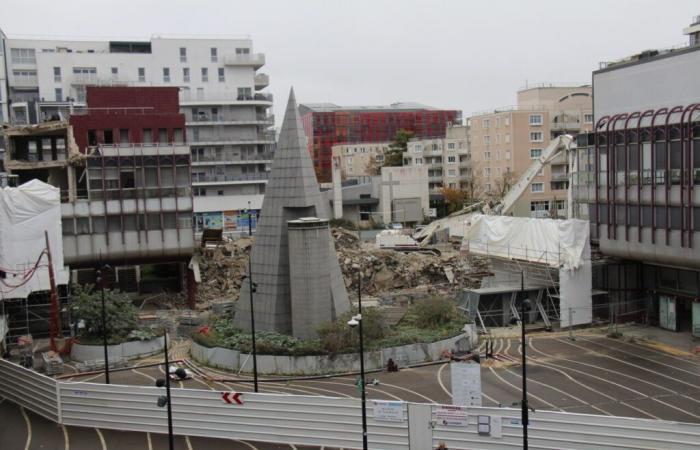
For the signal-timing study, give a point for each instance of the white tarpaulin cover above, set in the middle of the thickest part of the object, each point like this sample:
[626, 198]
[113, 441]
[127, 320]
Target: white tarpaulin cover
[25, 213]
[558, 243]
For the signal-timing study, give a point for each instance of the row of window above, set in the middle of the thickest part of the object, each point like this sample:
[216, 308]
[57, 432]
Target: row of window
[89, 74]
[127, 222]
[213, 53]
[534, 120]
[506, 139]
[487, 155]
[659, 216]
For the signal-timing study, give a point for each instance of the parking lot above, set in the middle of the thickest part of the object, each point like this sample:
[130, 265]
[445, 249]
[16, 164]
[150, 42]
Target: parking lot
[592, 374]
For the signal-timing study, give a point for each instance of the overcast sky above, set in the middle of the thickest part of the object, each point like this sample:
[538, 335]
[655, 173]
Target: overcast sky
[466, 55]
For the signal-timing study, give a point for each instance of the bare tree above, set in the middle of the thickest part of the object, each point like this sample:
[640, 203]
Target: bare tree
[373, 167]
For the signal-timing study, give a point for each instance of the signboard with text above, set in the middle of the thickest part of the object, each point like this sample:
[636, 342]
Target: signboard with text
[388, 411]
[466, 383]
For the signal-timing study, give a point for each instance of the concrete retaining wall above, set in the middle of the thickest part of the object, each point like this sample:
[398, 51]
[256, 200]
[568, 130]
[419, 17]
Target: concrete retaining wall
[322, 364]
[127, 350]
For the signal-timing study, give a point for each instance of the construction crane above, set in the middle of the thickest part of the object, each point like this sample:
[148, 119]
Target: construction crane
[559, 145]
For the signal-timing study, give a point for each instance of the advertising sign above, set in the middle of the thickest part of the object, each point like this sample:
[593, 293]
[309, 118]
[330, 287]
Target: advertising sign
[388, 411]
[466, 383]
[451, 416]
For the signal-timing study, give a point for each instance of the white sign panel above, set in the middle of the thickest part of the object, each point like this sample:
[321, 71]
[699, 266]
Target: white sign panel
[388, 411]
[466, 383]
[432, 212]
[451, 416]
[489, 426]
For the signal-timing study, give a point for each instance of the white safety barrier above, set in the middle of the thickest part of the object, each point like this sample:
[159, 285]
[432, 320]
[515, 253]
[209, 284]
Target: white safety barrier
[329, 421]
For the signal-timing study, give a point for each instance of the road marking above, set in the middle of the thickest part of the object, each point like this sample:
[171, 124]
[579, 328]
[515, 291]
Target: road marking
[507, 347]
[248, 444]
[367, 388]
[653, 350]
[29, 427]
[442, 385]
[66, 440]
[520, 389]
[150, 443]
[305, 389]
[546, 355]
[189, 444]
[293, 446]
[138, 372]
[102, 439]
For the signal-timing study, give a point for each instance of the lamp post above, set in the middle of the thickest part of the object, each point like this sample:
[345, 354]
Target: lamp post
[356, 321]
[101, 282]
[252, 286]
[166, 400]
[523, 403]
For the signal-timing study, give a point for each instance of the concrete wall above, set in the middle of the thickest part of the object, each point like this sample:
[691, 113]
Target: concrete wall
[322, 364]
[128, 350]
[410, 182]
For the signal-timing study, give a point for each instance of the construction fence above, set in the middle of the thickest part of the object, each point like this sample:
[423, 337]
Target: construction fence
[330, 422]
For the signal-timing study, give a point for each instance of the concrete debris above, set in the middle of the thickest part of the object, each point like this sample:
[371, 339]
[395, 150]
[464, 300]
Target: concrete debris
[222, 268]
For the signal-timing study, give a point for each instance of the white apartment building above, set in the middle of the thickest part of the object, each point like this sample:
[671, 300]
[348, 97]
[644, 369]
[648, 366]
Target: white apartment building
[447, 159]
[355, 159]
[227, 118]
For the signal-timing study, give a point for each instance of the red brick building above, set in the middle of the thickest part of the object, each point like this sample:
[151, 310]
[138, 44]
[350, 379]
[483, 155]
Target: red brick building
[327, 124]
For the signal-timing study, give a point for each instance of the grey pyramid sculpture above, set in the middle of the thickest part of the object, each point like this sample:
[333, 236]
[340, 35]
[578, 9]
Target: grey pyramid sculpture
[292, 193]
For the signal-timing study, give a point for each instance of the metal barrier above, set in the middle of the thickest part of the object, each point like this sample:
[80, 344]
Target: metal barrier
[328, 421]
[29, 389]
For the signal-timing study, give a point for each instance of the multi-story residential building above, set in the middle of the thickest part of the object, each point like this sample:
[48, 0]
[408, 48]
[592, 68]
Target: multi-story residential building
[505, 141]
[327, 124]
[359, 159]
[638, 182]
[124, 201]
[227, 119]
[447, 160]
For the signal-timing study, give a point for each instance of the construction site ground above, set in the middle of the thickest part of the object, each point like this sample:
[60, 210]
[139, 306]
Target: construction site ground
[593, 374]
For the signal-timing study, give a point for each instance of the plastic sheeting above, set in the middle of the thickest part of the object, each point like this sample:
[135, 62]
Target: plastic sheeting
[557, 243]
[25, 213]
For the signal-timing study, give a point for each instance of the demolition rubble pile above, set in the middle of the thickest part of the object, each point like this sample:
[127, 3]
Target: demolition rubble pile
[388, 270]
[222, 268]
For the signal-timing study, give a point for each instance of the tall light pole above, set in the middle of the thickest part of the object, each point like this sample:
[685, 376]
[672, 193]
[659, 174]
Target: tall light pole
[101, 281]
[251, 286]
[166, 400]
[356, 321]
[523, 344]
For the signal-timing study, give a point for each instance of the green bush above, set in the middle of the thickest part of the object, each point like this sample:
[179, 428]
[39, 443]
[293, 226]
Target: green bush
[339, 337]
[122, 316]
[432, 313]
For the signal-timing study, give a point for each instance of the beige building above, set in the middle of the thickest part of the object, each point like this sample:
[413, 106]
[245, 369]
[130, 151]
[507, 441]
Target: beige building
[447, 159]
[354, 159]
[504, 142]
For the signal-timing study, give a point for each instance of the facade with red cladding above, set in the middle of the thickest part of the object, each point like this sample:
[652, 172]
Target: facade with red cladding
[122, 115]
[328, 125]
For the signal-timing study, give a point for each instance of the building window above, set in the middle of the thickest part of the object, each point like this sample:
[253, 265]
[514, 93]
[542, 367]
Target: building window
[486, 123]
[487, 172]
[498, 122]
[183, 54]
[451, 145]
[57, 74]
[80, 93]
[451, 172]
[115, 73]
[214, 54]
[166, 74]
[242, 51]
[507, 155]
[451, 159]
[536, 136]
[142, 74]
[535, 153]
[23, 56]
[85, 74]
[506, 138]
[205, 75]
[199, 191]
[245, 94]
[588, 118]
[419, 161]
[186, 74]
[487, 140]
[220, 192]
[59, 94]
[537, 187]
[487, 187]
[535, 119]
[222, 77]
[506, 121]
[25, 77]
[487, 156]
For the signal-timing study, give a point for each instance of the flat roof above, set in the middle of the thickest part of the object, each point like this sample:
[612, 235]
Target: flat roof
[646, 56]
[398, 106]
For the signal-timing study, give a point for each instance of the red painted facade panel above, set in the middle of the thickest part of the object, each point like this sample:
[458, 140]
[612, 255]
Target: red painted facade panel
[326, 129]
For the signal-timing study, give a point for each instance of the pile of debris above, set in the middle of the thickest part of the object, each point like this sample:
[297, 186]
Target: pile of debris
[388, 270]
[222, 268]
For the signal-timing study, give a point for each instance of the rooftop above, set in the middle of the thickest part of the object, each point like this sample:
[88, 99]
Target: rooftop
[648, 56]
[332, 107]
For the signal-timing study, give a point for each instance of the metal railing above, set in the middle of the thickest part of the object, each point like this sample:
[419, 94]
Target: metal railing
[224, 158]
[223, 178]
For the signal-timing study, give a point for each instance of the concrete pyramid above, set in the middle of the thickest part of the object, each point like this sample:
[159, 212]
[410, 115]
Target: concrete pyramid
[292, 193]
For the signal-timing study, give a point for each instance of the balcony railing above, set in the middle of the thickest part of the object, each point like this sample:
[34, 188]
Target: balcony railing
[262, 80]
[186, 96]
[560, 176]
[225, 178]
[260, 118]
[267, 156]
[250, 59]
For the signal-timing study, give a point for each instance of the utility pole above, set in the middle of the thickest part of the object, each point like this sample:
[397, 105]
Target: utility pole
[101, 282]
[171, 443]
[523, 344]
[251, 287]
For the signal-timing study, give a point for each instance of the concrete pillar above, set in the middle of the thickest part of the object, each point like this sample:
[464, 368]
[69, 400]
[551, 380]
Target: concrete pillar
[337, 191]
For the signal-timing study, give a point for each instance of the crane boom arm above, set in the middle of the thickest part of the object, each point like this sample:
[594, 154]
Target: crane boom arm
[558, 145]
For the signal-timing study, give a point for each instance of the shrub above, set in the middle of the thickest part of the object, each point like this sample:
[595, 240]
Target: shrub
[433, 312]
[122, 316]
[339, 337]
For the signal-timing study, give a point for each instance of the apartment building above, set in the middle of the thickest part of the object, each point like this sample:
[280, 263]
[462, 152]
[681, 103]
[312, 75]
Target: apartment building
[124, 201]
[447, 160]
[638, 183]
[227, 119]
[328, 124]
[359, 159]
[505, 141]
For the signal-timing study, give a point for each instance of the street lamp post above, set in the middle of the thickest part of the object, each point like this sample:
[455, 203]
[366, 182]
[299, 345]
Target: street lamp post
[523, 404]
[101, 282]
[356, 321]
[251, 286]
[166, 401]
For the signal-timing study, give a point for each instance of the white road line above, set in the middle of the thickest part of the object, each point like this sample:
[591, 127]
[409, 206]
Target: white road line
[102, 439]
[189, 444]
[150, 443]
[507, 347]
[546, 355]
[653, 350]
[520, 389]
[442, 385]
[306, 389]
[248, 444]
[367, 388]
[66, 439]
[29, 428]
[85, 380]
[138, 372]
[696, 374]
[381, 383]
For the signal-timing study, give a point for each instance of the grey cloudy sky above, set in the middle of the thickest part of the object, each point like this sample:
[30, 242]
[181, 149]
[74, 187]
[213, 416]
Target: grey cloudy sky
[466, 55]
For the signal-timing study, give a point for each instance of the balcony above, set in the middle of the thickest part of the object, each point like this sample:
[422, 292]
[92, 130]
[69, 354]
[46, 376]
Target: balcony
[242, 178]
[262, 80]
[204, 160]
[224, 98]
[560, 176]
[257, 60]
[31, 81]
[202, 120]
[565, 126]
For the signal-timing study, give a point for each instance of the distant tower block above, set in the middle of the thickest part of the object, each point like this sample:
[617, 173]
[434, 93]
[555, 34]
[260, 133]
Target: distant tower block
[310, 282]
[292, 193]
